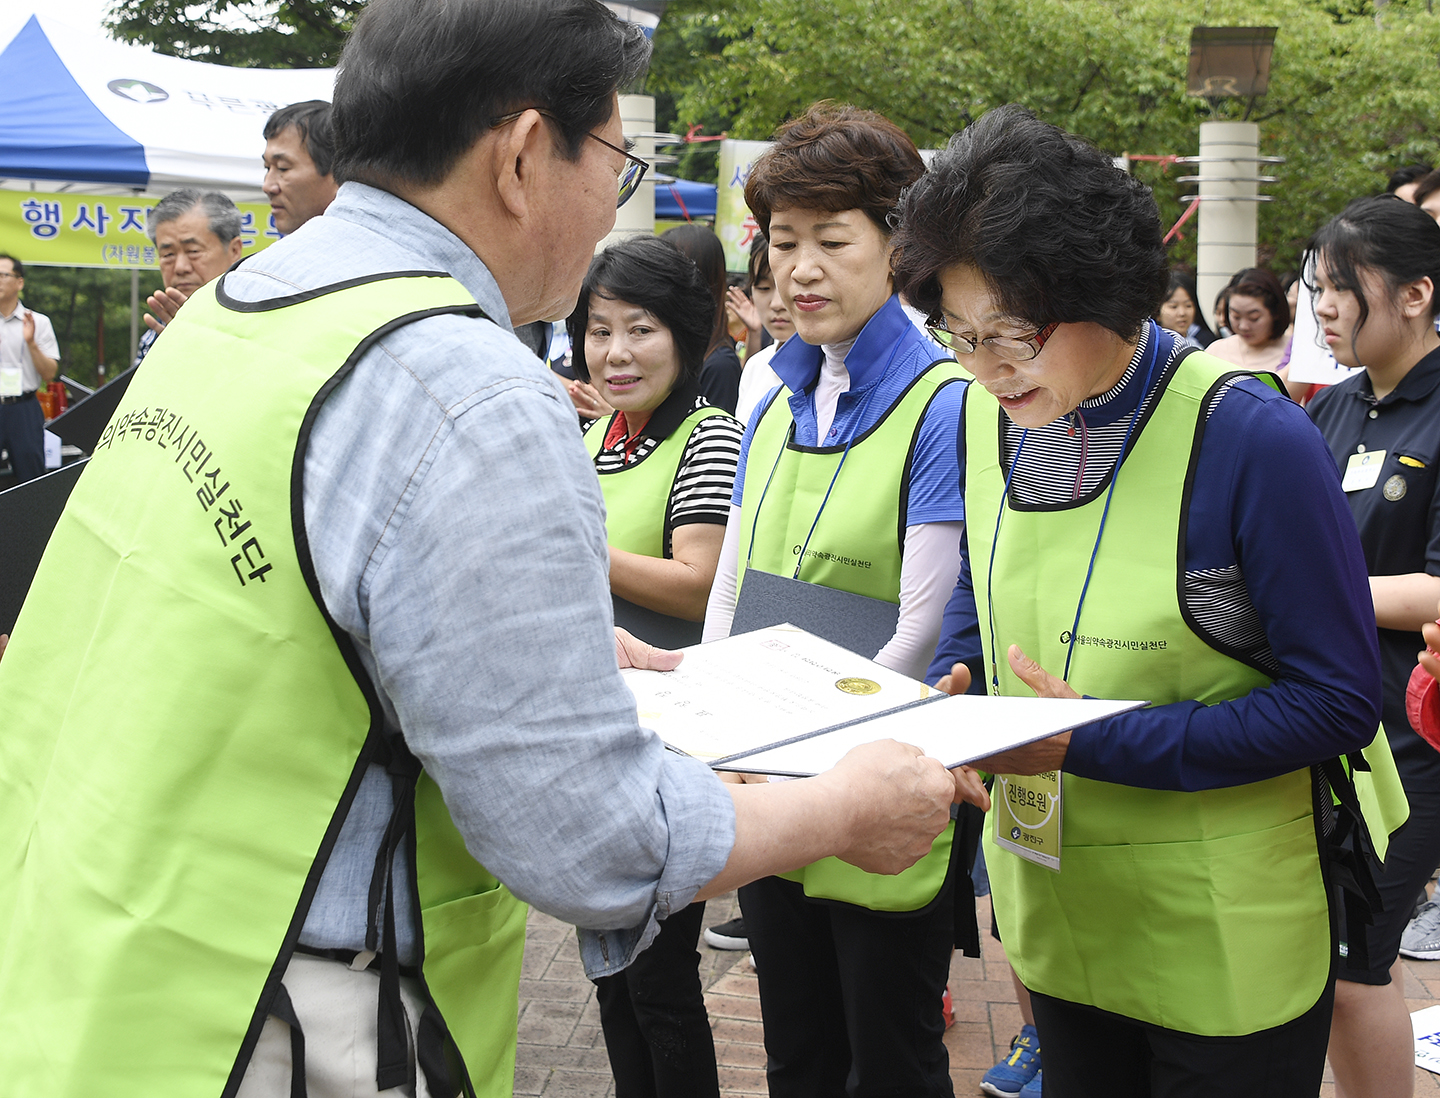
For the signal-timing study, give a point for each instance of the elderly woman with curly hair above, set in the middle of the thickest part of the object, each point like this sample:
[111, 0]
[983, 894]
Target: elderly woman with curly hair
[1127, 538]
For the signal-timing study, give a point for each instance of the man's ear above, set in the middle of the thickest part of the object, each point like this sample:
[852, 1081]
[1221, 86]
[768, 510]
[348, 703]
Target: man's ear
[235, 247]
[518, 161]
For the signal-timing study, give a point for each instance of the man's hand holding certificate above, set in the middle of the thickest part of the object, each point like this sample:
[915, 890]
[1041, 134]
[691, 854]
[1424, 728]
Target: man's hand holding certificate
[781, 701]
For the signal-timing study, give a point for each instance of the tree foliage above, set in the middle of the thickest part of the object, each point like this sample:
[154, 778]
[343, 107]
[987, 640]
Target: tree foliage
[1352, 94]
[290, 34]
[90, 309]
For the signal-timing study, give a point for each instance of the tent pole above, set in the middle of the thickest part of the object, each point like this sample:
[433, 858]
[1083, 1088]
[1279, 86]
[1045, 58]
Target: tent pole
[134, 314]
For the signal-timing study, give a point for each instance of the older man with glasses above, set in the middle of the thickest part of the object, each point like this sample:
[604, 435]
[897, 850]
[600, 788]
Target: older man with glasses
[344, 528]
[29, 357]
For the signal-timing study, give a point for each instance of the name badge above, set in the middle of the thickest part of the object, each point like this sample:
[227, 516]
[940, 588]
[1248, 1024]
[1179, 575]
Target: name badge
[1363, 470]
[1027, 815]
[10, 381]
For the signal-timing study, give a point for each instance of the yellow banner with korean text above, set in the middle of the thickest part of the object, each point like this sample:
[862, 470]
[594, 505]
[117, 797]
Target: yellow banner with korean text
[82, 230]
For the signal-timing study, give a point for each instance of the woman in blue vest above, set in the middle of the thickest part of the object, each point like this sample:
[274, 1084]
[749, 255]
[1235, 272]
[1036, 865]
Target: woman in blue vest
[666, 461]
[665, 457]
[1159, 878]
[849, 484]
[1376, 271]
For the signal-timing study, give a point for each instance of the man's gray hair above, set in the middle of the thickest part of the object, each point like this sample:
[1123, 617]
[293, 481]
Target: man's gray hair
[224, 218]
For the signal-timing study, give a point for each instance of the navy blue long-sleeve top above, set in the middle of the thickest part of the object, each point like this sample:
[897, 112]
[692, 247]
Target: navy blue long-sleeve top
[1266, 499]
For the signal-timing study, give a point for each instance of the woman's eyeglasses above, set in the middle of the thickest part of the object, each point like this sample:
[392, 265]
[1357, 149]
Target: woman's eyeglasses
[1015, 349]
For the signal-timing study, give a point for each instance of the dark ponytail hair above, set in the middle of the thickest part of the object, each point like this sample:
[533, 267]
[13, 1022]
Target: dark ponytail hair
[1384, 234]
[704, 249]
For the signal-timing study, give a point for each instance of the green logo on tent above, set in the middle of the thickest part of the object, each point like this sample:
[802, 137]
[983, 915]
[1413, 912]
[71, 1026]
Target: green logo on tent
[138, 91]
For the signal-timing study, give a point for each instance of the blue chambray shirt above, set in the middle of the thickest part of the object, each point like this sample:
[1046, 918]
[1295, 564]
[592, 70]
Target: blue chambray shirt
[458, 535]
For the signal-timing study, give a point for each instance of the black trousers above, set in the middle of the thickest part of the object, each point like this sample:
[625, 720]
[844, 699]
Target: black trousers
[22, 433]
[653, 1014]
[1413, 855]
[1092, 1053]
[850, 997]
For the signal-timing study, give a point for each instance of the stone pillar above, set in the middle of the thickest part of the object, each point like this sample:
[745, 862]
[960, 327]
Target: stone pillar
[637, 114]
[1229, 169]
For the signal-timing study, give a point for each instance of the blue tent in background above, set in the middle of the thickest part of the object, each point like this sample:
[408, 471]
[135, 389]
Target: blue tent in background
[683, 200]
[78, 108]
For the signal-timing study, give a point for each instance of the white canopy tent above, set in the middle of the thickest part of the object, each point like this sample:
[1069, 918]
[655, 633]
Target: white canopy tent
[80, 112]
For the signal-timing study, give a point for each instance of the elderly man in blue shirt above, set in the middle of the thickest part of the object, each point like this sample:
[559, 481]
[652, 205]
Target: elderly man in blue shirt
[449, 531]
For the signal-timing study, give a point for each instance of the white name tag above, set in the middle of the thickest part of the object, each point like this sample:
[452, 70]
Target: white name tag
[1363, 470]
[10, 381]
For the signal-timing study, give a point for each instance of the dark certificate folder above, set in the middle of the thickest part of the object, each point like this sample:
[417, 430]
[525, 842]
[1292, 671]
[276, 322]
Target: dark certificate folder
[859, 624]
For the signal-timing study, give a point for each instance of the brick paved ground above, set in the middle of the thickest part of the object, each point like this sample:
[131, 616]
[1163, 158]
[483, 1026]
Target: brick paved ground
[561, 1051]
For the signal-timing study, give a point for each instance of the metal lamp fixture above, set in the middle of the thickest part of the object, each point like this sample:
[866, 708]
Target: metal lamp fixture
[1228, 62]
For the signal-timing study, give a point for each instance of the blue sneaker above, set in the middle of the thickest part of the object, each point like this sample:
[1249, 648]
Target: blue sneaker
[1010, 1076]
[1032, 1088]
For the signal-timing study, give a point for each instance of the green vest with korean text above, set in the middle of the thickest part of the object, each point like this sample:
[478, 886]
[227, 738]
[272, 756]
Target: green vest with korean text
[637, 496]
[183, 740]
[1203, 912]
[856, 546]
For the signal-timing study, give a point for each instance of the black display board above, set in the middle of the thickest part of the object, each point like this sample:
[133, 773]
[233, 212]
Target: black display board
[83, 422]
[28, 514]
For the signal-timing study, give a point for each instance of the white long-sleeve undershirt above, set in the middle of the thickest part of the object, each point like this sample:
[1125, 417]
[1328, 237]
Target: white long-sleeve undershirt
[927, 576]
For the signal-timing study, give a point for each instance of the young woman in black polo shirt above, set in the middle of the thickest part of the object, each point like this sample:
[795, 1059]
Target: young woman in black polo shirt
[1377, 269]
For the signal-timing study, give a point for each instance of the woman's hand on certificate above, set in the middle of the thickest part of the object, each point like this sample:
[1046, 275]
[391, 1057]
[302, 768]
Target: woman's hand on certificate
[900, 800]
[1040, 757]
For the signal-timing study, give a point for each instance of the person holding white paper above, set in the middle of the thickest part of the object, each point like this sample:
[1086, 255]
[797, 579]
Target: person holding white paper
[1159, 877]
[848, 483]
[1376, 272]
[666, 463]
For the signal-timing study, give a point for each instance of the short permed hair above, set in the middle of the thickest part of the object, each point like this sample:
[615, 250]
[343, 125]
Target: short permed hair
[1265, 288]
[420, 81]
[311, 120]
[834, 158]
[655, 275]
[221, 214]
[1060, 235]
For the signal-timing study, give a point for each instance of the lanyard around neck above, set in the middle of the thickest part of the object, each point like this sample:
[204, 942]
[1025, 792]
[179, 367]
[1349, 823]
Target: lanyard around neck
[859, 422]
[1154, 358]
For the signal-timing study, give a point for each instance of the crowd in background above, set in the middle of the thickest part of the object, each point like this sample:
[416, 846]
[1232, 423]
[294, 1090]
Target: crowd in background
[717, 411]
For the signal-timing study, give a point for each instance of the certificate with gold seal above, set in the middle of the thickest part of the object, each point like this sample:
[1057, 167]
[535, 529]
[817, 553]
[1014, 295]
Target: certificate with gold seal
[782, 701]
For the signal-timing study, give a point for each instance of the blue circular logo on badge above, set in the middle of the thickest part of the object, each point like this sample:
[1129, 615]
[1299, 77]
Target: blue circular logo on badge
[1015, 833]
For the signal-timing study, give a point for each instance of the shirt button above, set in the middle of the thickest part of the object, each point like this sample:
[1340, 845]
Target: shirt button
[1374, 413]
[833, 432]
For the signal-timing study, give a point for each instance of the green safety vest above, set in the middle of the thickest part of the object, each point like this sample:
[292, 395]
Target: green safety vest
[185, 730]
[1202, 912]
[856, 547]
[637, 496]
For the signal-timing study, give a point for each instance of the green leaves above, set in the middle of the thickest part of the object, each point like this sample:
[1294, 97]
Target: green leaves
[243, 33]
[1351, 96]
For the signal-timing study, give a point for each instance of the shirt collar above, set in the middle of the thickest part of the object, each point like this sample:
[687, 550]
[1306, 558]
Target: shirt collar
[1415, 386]
[417, 242]
[797, 363]
[19, 311]
[673, 409]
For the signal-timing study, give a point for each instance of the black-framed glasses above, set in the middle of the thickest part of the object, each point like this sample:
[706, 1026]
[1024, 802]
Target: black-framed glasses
[1015, 348]
[634, 170]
